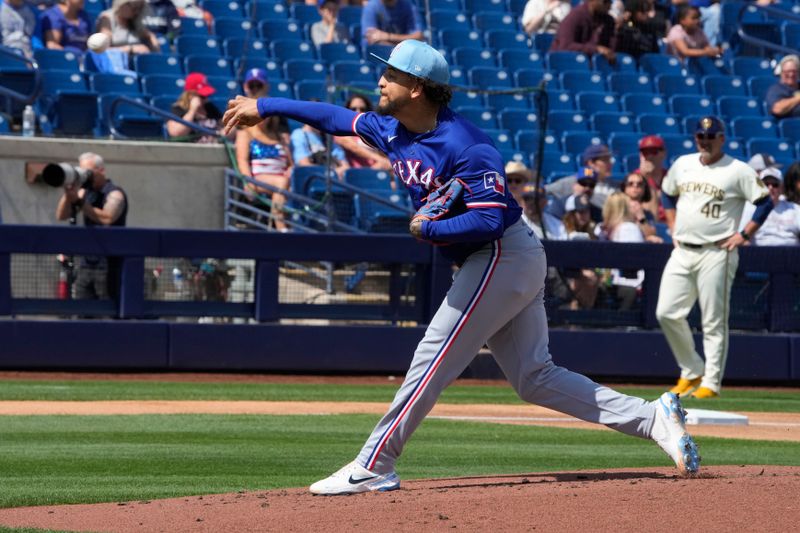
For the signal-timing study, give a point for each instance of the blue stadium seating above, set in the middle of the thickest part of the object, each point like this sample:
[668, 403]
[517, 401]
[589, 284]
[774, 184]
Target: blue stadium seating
[555, 165]
[624, 63]
[576, 80]
[262, 11]
[482, 117]
[747, 127]
[311, 90]
[498, 39]
[235, 47]
[169, 64]
[112, 83]
[304, 13]
[655, 64]
[331, 52]
[194, 26]
[672, 84]
[527, 141]
[530, 77]
[286, 49]
[473, 57]
[162, 84]
[596, 101]
[517, 119]
[607, 122]
[465, 98]
[637, 103]
[57, 60]
[564, 60]
[731, 107]
[655, 123]
[791, 35]
[74, 113]
[445, 19]
[226, 28]
[691, 104]
[781, 149]
[501, 138]
[272, 30]
[485, 77]
[789, 128]
[130, 120]
[224, 8]
[630, 83]
[270, 66]
[515, 58]
[678, 144]
[561, 121]
[208, 65]
[543, 41]
[707, 66]
[450, 38]
[503, 101]
[558, 100]
[281, 88]
[352, 14]
[226, 87]
[719, 85]
[346, 72]
[625, 143]
[759, 85]
[473, 6]
[488, 20]
[575, 142]
[369, 179]
[296, 70]
[746, 67]
[196, 44]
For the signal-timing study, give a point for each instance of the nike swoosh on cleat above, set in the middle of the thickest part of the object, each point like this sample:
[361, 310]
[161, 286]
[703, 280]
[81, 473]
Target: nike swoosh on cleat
[354, 481]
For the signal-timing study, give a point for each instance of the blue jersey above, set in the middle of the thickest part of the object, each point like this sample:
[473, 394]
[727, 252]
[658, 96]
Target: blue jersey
[456, 148]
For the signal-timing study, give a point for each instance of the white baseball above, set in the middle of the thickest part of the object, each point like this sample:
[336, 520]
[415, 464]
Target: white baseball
[98, 42]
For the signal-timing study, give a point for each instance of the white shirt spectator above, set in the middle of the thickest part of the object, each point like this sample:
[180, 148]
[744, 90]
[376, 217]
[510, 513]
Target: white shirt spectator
[544, 16]
[782, 227]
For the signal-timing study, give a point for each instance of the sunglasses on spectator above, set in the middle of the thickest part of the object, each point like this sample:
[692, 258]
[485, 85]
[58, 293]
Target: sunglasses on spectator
[771, 183]
[358, 109]
[635, 184]
[705, 136]
[516, 181]
[587, 183]
[651, 151]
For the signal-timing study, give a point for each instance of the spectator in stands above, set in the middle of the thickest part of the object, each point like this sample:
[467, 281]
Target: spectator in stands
[619, 226]
[640, 30]
[782, 226]
[762, 161]
[103, 204]
[389, 22]
[309, 148]
[190, 9]
[783, 98]
[66, 26]
[791, 186]
[588, 28]
[329, 29]
[584, 283]
[652, 156]
[710, 16]
[123, 23]
[544, 16]
[582, 183]
[17, 25]
[357, 152]
[256, 85]
[599, 158]
[534, 214]
[687, 38]
[518, 175]
[262, 154]
[193, 106]
[638, 193]
[161, 17]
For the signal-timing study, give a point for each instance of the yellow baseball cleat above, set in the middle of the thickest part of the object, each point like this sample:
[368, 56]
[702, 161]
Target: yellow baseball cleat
[685, 385]
[704, 393]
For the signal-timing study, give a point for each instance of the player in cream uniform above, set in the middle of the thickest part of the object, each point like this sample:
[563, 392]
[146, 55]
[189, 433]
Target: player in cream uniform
[705, 194]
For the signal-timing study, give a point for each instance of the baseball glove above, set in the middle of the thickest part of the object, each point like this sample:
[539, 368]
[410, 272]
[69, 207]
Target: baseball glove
[438, 204]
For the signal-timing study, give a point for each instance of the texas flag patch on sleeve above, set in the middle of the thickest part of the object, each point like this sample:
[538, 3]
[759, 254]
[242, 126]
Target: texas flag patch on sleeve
[495, 181]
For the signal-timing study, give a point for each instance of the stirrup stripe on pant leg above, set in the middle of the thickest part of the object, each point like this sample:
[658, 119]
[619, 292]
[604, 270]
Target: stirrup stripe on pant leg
[434, 364]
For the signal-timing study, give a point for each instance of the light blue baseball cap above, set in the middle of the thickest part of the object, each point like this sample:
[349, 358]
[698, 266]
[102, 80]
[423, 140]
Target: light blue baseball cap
[420, 60]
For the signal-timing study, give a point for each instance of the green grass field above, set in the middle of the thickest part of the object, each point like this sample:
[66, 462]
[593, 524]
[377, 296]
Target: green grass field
[72, 459]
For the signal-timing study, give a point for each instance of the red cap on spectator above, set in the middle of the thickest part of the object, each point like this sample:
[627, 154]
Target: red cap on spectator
[198, 83]
[651, 141]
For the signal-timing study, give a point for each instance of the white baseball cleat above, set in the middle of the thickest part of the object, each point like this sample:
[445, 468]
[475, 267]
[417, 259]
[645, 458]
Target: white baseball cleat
[354, 478]
[669, 432]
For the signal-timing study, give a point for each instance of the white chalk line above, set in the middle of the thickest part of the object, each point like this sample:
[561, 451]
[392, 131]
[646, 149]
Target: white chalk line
[569, 419]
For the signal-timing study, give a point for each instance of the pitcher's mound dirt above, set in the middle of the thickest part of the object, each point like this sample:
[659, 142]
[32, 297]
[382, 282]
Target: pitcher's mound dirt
[724, 498]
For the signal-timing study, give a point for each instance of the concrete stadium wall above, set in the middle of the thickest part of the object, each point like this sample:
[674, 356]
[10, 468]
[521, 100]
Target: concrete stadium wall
[169, 185]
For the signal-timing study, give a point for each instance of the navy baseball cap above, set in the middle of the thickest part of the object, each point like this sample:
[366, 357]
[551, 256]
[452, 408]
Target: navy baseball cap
[577, 203]
[418, 59]
[586, 174]
[258, 74]
[595, 151]
[709, 125]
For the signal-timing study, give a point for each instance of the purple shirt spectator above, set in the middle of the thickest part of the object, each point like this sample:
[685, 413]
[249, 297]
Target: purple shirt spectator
[73, 35]
[587, 27]
[397, 17]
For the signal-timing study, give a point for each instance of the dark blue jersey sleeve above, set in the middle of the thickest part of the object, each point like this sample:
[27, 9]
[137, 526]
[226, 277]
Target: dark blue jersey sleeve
[374, 130]
[329, 118]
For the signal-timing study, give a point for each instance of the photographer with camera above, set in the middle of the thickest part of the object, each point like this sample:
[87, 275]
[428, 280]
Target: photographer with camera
[87, 190]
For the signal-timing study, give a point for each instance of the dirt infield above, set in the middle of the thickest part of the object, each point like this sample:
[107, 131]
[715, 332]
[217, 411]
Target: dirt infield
[722, 498]
[654, 499]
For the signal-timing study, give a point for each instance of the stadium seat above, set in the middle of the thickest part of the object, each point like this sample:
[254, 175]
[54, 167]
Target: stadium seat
[637, 103]
[480, 116]
[488, 20]
[672, 84]
[747, 67]
[513, 59]
[272, 30]
[498, 39]
[789, 128]
[74, 113]
[208, 65]
[501, 138]
[791, 35]
[691, 104]
[64, 60]
[169, 64]
[485, 77]
[458, 77]
[630, 83]
[445, 19]
[769, 31]
[781, 149]
[564, 60]
[655, 64]
[561, 121]
[225, 28]
[380, 50]
[689, 123]
[717, 86]
[707, 66]
[473, 57]
[543, 41]
[311, 90]
[162, 85]
[731, 107]
[527, 141]
[226, 87]
[531, 77]
[102, 83]
[517, 119]
[556, 164]
[747, 127]
[369, 179]
[736, 148]
[558, 100]
[576, 80]
[450, 38]
[503, 101]
[266, 11]
[630, 162]
[759, 85]
[270, 66]
[377, 217]
[305, 69]
[678, 144]
[224, 8]
[596, 101]
[195, 44]
[236, 47]
[625, 143]
[465, 98]
[729, 17]
[286, 49]
[280, 88]
[304, 13]
[658, 124]
[128, 119]
[345, 72]
[352, 14]
[473, 6]
[194, 26]
[331, 52]
[623, 63]
[575, 142]
[607, 122]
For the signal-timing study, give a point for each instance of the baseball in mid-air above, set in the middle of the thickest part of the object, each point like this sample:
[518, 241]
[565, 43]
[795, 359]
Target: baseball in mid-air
[98, 42]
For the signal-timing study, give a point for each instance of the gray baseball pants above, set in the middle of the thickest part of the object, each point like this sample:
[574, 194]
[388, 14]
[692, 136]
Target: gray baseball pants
[497, 298]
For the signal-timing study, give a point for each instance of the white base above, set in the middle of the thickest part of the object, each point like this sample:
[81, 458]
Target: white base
[696, 417]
